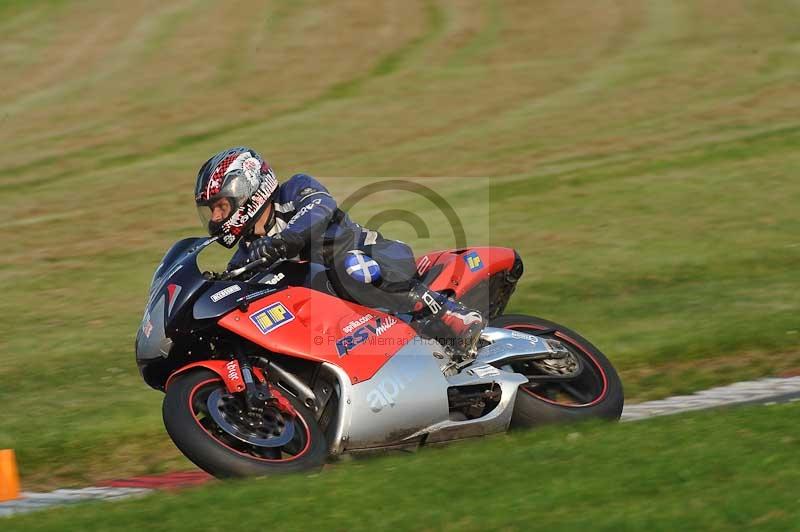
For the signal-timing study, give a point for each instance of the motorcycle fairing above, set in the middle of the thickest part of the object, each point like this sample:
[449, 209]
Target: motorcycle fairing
[218, 299]
[407, 401]
[175, 281]
[315, 326]
[223, 296]
[228, 370]
[497, 420]
[407, 394]
[461, 270]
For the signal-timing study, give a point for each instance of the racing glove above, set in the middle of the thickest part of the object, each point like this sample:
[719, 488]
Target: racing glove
[273, 248]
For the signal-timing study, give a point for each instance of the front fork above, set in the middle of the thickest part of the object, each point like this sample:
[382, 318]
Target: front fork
[256, 390]
[238, 375]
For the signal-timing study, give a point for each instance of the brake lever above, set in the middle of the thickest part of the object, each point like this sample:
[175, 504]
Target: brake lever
[228, 275]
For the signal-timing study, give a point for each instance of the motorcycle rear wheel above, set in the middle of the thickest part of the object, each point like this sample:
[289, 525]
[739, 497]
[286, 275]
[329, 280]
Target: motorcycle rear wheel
[198, 436]
[595, 393]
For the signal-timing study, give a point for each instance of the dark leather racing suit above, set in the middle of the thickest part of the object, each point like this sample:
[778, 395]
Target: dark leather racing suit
[304, 209]
[305, 212]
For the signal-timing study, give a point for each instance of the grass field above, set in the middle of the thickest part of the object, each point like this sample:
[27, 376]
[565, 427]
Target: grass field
[640, 155]
[728, 470]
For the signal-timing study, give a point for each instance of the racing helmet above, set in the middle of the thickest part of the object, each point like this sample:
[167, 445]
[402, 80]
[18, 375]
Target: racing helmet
[233, 188]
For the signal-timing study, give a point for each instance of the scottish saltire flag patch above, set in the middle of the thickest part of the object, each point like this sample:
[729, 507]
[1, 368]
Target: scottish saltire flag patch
[270, 318]
[361, 267]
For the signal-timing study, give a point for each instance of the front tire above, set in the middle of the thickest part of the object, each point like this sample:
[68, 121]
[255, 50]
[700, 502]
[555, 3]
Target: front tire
[595, 393]
[195, 431]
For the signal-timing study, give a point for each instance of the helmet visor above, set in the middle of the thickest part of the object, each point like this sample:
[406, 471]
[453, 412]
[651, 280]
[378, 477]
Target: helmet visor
[216, 212]
[236, 190]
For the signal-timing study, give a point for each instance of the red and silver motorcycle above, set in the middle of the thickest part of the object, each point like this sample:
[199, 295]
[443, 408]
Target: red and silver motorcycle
[278, 372]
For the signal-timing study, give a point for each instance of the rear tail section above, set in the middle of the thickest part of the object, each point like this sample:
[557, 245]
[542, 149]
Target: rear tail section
[482, 278]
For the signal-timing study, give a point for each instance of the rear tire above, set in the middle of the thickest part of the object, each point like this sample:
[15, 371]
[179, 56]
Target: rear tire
[595, 393]
[215, 451]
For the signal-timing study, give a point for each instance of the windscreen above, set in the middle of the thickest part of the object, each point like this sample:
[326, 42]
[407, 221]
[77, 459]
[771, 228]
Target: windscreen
[151, 338]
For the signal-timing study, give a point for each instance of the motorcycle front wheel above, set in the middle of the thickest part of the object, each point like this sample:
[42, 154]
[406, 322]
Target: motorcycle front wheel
[583, 385]
[215, 430]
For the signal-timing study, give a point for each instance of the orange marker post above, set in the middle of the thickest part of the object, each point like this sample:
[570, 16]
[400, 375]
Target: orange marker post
[9, 476]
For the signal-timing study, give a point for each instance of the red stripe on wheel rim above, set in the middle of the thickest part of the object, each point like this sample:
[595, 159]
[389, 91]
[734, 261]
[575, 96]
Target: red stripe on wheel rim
[577, 345]
[282, 460]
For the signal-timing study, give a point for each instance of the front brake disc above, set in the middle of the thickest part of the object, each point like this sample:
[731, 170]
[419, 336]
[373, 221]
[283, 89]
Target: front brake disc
[270, 429]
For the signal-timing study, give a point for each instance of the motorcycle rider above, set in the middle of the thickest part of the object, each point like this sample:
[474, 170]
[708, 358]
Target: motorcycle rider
[241, 201]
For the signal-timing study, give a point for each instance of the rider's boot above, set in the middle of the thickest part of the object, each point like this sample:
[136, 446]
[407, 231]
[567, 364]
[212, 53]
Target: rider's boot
[448, 321]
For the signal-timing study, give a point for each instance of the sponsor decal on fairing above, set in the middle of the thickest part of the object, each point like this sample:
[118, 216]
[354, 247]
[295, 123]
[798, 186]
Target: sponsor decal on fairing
[350, 327]
[225, 292]
[147, 327]
[233, 371]
[424, 264]
[252, 296]
[275, 279]
[270, 318]
[385, 394]
[364, 333]
[473, 260]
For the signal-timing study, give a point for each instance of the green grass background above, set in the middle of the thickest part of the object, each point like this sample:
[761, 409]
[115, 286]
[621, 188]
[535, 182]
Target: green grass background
[642, 156]
[723, 470]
